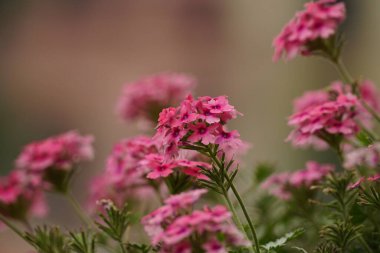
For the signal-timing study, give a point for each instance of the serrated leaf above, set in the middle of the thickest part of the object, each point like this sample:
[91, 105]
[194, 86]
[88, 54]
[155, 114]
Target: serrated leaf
[281, 242]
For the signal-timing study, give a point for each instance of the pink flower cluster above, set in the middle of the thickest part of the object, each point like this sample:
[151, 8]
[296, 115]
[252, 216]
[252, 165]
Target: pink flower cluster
[60, 152]
[145, 98]
[282, 184]
[319, 20]
[198, 121]
[318, 114]
[361, 180]
[123, 178]
[21, 196]
[366, 156]
[173, 226]
[130, 165]
[331, 111]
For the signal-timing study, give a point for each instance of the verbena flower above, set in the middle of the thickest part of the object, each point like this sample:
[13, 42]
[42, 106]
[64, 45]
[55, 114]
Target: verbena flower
[361, 180]
[198, 121]
[319, 20]
[282, 184]
[335, 110]
[130, 166]
[364, 156]
[145, 98]
[173, 226]
[21, 196]
[54, 158]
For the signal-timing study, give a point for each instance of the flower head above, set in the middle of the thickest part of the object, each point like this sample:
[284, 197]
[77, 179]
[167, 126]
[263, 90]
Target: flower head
[198, 121]
[282, 184]
[145, 98]
[174, 224]
[20, 196]
[52, 159]
[319, 20]
[318, 115]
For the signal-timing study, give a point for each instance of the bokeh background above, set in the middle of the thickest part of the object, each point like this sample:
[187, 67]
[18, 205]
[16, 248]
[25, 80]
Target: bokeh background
[63, 63]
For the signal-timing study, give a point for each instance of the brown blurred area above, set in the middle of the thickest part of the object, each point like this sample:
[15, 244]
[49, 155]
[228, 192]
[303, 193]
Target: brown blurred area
[63, 64]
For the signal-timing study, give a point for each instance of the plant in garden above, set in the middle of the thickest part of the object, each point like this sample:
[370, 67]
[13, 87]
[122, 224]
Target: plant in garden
[192, 158]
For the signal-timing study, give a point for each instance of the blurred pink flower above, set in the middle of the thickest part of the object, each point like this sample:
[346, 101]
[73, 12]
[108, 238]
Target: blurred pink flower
[145, 98]
[58, 152]
[20, 198]
[315, 117]
[174, 224]
[282, 184]
[319, 20]
[365, 156]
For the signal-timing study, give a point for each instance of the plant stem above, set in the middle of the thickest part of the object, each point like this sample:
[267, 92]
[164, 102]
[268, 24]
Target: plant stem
[215, 159]
[243, 208]
[12, 227]
[364, 244]
[122, 246]
[235, 217]
[78, 209]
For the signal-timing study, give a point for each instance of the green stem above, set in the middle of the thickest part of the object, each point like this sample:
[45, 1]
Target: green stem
[78, 209]
[12, 227]
[215, 159]
[243, 208]
[121, 245]
[235, 217]
[364, 244]
[343, 71]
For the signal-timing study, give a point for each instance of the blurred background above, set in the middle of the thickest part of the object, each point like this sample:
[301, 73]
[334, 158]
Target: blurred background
[63, 64]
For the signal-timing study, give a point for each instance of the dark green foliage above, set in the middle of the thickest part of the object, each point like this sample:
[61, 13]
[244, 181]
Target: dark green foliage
[48, 240]
[115, 221]
[82, 242]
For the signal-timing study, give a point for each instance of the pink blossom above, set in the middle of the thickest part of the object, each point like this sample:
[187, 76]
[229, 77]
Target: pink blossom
[123, 177]
[374, 178]
[365, 156]
[145, 98]
[19, 197]
[319, 20]
[282, 184]
[357, 183]
[333, 117]
[198, 121]
[59, 152]
[313, 173]
[185, 200]
[173, 225]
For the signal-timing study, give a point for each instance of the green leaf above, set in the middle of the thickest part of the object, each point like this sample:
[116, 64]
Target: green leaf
[281, 242]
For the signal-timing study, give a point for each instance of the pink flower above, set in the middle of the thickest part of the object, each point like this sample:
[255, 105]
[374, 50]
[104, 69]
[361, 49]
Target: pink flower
[158, 167]
[173, 226]
[51, 160]
[124, 178]
[203, 133]
[357, 183]
[19, 197]
[313, 173]
[145, 98]
[319, 20]
[365, 156]
[197, 121]
[322, 119]
[185, 200]
[282, 184]
[214, 246]
[374, 178]
[59, 152]
[277, 185]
